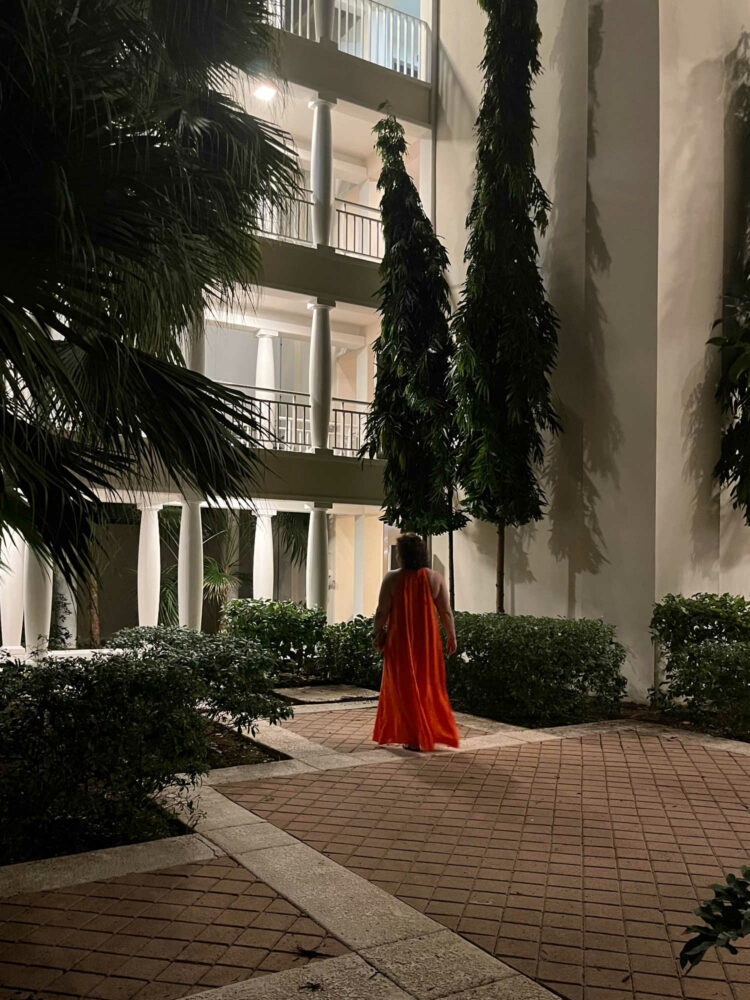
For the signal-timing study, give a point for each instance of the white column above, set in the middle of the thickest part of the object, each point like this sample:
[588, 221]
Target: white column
[320, 372]
[37, 603]
[149, 566]
[67, 620]
[265, 380]
[317, 557]
[358, 607]
[324, 12]
[190, 567]
[195, 347]
[321, 170]
[11, 587]
[263, 568]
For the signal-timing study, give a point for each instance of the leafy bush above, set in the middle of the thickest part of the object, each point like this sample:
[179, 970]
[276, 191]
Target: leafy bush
[680, 621]
[709, 684]
[345, 654]
[237, 674]
[289, 631]
[86, 743]
[726, 919]
[536, 670]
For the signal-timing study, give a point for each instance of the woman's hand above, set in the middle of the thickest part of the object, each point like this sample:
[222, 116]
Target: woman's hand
[451, 645]
[378, 639]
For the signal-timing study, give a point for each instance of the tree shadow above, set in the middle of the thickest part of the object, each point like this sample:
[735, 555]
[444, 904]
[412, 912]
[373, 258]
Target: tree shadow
[582, 458]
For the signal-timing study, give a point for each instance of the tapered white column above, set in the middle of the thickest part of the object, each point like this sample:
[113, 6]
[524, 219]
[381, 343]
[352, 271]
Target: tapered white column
[149, 566]
[190, 567]
[263, 569]
[66, 610]
[358, 604]
[324, 12]
[317, 557]
[13, 556]
[320, 372]
[321, 170]
[37, 603]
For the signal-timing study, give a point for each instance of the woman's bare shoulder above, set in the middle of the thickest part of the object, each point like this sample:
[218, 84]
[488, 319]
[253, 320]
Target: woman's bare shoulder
[391, 576]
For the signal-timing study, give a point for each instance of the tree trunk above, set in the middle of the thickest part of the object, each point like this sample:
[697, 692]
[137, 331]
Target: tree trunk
[500, 605]
[95, 632]
[451, 571]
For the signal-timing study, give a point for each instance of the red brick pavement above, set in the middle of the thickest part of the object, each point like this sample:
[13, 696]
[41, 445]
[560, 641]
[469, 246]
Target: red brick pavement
[347, 732]
[576, 861]
[154, 936]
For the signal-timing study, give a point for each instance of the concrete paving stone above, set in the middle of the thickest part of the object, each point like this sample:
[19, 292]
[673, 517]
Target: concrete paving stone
[347, 978]
[436, 965]
[256, 772]
[322, 760]
[326, 693]
[512, 988]
[350, 908]
[93, 866]
[220, 812]
[336, 706]
[379, 756]
[250, 837]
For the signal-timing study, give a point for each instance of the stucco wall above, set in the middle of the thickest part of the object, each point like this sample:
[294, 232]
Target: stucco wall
[636, 153]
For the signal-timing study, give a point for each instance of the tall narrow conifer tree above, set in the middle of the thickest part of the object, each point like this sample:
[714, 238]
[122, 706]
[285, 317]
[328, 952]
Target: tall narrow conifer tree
[505, 329]
[411, 423]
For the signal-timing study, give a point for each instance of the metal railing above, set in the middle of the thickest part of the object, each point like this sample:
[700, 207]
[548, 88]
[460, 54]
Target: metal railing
[285, 421]
[291, 221]
[358, 229]
[366, 29]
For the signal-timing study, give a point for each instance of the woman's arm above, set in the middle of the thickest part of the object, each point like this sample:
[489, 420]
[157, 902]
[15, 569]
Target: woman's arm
[381, 615]
[443, 605]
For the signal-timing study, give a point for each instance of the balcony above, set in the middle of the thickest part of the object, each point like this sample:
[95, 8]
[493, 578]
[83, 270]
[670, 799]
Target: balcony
[358, 231]
[285, 421]
[367, 30]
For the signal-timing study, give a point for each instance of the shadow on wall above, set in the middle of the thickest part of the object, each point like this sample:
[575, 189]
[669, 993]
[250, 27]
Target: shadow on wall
[736, 251]
[583, 457]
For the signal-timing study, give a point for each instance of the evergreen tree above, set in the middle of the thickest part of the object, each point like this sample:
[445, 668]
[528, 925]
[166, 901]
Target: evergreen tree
[505, 329]
[411, 423]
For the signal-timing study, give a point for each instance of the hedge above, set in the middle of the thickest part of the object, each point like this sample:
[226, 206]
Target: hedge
[536, 671]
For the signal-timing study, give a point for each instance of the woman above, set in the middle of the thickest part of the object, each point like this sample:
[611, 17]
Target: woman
[413, 708]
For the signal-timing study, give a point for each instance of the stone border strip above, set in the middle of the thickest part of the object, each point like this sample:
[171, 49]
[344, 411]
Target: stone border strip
[406, 954]
[91, 866]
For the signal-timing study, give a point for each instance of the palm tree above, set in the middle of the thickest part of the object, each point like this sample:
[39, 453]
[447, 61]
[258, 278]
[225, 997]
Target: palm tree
[130, 188]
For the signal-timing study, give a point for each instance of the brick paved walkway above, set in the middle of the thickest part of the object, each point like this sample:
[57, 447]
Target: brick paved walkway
[154, 936]
[347, 732]
[577, 862]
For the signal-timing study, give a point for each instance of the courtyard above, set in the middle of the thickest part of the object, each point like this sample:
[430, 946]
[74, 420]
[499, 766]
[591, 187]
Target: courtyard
[527, 865]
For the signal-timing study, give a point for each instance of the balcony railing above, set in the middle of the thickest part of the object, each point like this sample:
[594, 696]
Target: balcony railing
[368, 30]
[358, 230]
[285, 421]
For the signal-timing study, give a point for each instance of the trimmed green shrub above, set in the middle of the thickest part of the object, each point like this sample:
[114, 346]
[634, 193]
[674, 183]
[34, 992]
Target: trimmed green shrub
[539, 671]
[85, 744]
[237, 674]
[709, 684]
[726, 918]
[680, 621]
[289, 631]
[345, 654]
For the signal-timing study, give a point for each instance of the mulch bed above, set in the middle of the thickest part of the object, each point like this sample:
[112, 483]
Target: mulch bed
[229, 748]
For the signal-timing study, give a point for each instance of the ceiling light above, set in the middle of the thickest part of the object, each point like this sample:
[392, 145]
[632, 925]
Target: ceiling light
[265, 92]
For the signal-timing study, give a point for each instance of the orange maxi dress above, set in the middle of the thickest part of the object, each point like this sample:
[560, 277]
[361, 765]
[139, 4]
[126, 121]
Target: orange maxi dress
[413, 707]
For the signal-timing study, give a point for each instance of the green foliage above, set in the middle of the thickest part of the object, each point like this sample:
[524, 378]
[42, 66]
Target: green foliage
[289, 631]
[237, 675]
[679, 622]
[86, 743]
[346, 655]
[132, 185]
[706, 641]
[733, 391]
[505, 329]
[726, 918]
[411, 419]
[539, 671]
[709, 684]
